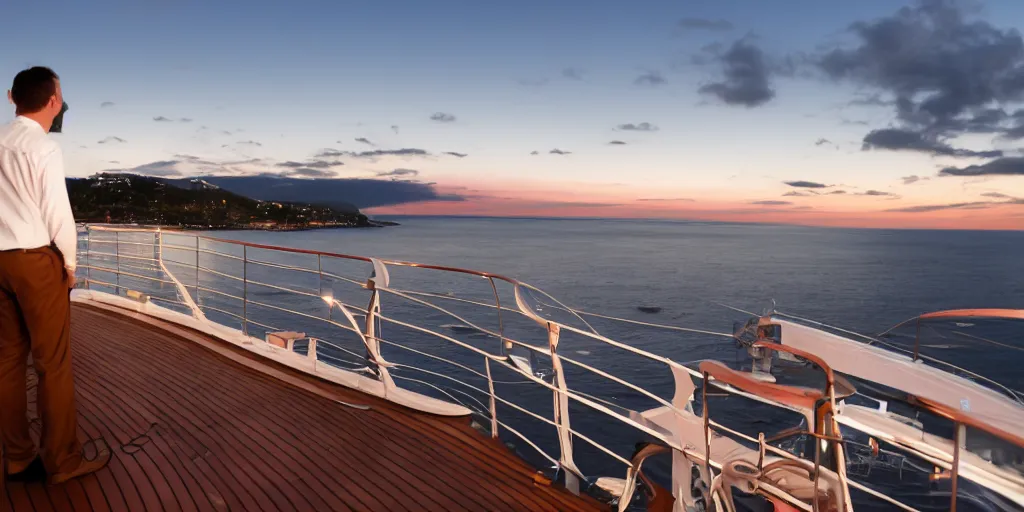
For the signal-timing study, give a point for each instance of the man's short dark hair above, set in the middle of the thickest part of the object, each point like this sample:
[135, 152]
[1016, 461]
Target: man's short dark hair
[32, 88]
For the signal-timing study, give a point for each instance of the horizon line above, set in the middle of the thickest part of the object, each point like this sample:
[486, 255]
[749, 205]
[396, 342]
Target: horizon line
[682, 221]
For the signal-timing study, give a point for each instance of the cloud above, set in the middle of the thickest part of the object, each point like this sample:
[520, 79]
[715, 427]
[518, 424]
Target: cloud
[453, 153]
[394, 128]
[107, 104]
[313, 164]
[895, 139]
[796, 193]
[308, 172]
[746, 80]
[331, 153]
[913, 178]
[399, 173]
[871, 100]
[534, 152]
[1015, 132]
[557, 151]
[192, 159]
[334, 192]
[388, 152]
[710, 25]
[334, 153]
[364, 140]
[997, 195]
[875, 193]
[161, 168]
[1008, 166]
[441, 117]
[805, 184]
[616, 143]
[650, 78]
[112, 139]
[639, 127]
[836, 192]
[769, 202]
[974, 205]
[250, 143]
[668, 199]
[573, 73]
[947, 73]
[162, 119]
[821, 142]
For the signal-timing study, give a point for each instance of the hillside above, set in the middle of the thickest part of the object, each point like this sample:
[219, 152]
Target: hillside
[134, 199]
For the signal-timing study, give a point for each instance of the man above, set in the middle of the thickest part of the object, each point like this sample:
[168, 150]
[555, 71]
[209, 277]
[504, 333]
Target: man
[37, 270]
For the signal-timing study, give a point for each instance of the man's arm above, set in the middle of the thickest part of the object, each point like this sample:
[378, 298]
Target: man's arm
[56, 208]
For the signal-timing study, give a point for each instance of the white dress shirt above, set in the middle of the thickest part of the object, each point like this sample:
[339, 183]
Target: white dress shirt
[34, 205]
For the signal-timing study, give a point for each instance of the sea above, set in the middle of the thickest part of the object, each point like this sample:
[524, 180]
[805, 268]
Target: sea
[706, 276]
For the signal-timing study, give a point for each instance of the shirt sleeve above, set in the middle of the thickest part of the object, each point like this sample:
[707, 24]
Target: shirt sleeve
[56, 207]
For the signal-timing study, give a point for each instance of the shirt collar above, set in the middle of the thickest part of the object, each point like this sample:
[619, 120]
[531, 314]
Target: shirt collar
[29, 122]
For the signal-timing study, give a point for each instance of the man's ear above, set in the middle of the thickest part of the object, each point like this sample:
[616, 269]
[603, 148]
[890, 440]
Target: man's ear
[10, 98]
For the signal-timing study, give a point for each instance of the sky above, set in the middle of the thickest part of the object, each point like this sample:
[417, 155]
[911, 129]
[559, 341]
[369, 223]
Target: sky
[874, 113]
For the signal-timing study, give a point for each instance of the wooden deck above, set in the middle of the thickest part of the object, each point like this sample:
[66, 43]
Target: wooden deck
[193, 429]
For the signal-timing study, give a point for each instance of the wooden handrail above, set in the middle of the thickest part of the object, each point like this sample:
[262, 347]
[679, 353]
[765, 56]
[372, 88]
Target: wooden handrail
[1009, 314]
[315, 252]
[803, 398]
[966, 419]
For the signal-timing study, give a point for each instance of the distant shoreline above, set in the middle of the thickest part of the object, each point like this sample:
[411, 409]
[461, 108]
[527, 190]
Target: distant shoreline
[370, 224]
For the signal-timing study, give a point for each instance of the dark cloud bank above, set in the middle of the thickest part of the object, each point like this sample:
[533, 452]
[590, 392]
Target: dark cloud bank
[941, 70]
[362, 193]
[944, 74]
[745, 76]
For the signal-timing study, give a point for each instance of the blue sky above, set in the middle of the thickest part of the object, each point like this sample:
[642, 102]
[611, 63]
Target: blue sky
[263, 83]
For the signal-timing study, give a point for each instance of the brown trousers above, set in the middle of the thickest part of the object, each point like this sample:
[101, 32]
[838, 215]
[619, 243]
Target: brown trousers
[35, 316]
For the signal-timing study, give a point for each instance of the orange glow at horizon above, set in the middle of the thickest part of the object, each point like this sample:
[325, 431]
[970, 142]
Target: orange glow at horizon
[607, 202]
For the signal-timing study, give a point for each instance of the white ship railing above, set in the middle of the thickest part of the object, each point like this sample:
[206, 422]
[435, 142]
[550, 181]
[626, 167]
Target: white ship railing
[122, 260]
[152, 264]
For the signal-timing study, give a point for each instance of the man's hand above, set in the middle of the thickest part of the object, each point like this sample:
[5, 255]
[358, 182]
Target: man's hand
[71, 277]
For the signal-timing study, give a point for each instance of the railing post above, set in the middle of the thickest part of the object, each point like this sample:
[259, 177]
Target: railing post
[379, 278]
[494, 408]
[506, 346]
[917, 339]
[158, 249]
[311, 352]
[682, 467]
[88, 257]
[117, 262]
[959, 437]
[372, 345]
[197, 269]
[572, 481]
[320, 273]
[245, 290]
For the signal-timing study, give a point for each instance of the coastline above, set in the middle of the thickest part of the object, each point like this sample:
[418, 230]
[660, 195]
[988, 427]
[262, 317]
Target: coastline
[371, 224]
